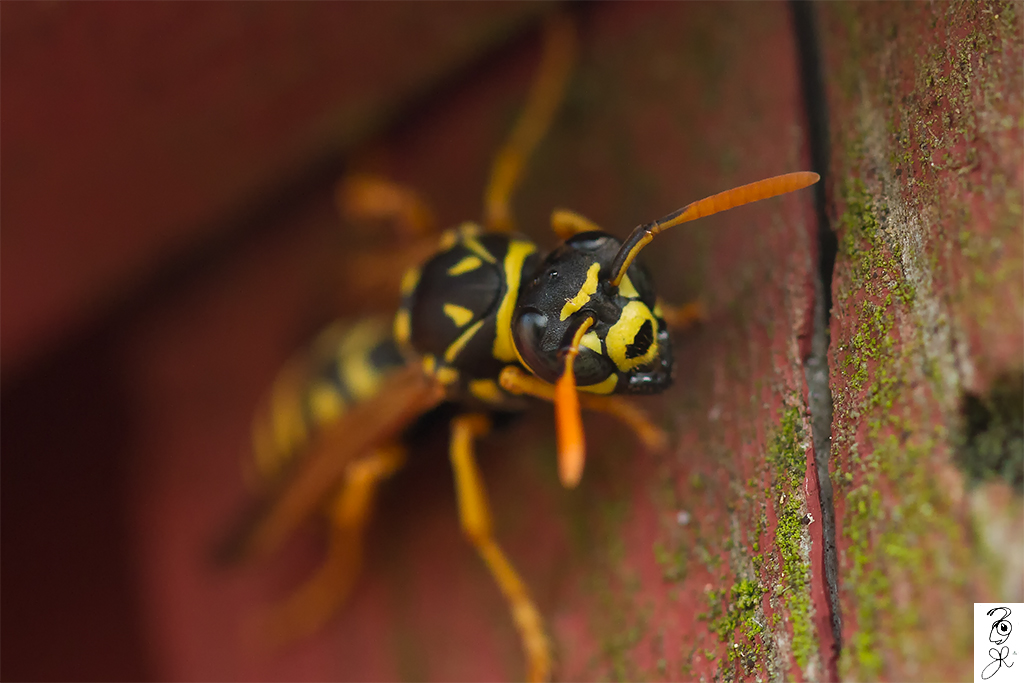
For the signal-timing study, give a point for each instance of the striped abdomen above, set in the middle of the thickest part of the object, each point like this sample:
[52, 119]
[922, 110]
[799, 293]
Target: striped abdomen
[343, 365]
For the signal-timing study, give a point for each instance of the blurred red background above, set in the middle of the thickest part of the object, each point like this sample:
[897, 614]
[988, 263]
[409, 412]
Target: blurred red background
[169, 238]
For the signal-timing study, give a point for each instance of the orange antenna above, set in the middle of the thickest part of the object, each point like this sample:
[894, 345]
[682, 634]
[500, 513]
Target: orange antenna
[572, 447]
[730, 199]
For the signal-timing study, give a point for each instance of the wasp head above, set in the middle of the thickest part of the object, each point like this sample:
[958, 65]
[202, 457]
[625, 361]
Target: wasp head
[626, 349]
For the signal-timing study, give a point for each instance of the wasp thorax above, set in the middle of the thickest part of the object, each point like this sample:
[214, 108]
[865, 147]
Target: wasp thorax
[627, 339]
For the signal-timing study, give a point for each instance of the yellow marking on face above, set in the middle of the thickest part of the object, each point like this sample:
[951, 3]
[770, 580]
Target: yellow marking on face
[623, 332]
[487, 390]
[452, 352]
[504, 345]
[583, 296]
[458, 314]
[403, 326]
[465, 265]
[360, 377]
[605, 386]
[659, 312]
[410, 279]
[627, 289]
[446, 375]
[592, 342]
[325, 402]
[474, 246]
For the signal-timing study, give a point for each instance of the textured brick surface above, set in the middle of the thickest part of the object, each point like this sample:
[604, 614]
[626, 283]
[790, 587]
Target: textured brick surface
[927, 338]
[703, 561]
[121, 453]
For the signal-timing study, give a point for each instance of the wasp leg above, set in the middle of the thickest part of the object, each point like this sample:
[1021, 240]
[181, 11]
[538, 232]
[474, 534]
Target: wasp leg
[307, 609]
[516, 381]
[475, 515]
[364, 198]
[567, 223]
[682, 317]
[544, 98]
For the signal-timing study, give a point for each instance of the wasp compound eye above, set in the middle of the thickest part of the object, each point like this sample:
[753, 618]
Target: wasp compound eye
[530, 333]
[541, 342]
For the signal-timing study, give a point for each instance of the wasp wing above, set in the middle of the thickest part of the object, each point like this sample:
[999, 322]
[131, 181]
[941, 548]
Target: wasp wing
[263, 527]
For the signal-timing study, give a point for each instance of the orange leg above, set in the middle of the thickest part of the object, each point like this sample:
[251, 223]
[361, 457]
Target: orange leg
[475, 515]
[567, 223]
[307, 609]
[365, 198]
[516, 381]
[369, 274]
[533, 123]
[682, 317]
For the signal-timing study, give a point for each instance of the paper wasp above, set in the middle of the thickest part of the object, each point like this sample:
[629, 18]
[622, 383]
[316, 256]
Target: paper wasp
[485, 323]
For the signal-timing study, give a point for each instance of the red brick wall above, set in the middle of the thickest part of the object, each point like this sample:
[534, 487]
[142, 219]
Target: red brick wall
[927, 326]
[151, 290]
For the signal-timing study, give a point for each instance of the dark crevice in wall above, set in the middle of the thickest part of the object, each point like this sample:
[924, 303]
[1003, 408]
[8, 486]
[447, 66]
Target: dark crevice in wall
[990, 441]
[816, 365]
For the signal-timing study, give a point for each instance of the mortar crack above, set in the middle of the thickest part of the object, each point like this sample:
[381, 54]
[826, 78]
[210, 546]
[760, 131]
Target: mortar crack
[816, 364]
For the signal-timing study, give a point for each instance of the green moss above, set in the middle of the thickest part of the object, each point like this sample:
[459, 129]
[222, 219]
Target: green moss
[787, 454]
[618, 624]
[686, 667]
[733, 608]
[622, 629]
[733, 616]
[887, 442]
[858, 223]
[619, 621]
[760, 526]
[673, 562]
[875, 264]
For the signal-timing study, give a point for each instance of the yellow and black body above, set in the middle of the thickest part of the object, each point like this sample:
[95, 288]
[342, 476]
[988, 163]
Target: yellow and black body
[626, 351]
[343, 366]
[484, 323]
[456, 311]
[487, 301]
